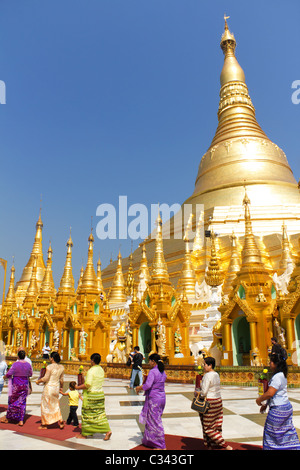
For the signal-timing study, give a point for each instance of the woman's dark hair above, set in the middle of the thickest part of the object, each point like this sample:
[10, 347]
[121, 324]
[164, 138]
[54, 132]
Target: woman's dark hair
[55, 356]
[210, 361]
[21, 354]
[280, 363]
[156, 358]
[96, 358]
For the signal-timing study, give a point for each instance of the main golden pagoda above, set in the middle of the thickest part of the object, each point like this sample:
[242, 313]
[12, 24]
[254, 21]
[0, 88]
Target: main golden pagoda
[241, 164]
[224, 283]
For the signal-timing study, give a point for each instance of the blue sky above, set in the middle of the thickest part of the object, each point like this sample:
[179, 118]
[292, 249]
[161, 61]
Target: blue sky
[119, 97]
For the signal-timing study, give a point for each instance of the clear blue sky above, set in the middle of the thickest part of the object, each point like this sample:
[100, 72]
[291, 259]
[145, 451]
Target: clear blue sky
[120, 97]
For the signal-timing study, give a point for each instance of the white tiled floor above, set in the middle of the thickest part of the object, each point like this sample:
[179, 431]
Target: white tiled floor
[242, 421]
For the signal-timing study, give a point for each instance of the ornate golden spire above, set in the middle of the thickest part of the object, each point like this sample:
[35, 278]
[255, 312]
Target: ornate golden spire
[47, 287]
[36, 254]
[130, 278]
[67, 280]
[159, 270]
[32, 291]
[187, 280]
[286, 256]
[233, 267]
[89, 282]
[11, 298]
[251, 255]
[80, 278]
[117, 290]
[144, 269]
[240, 150]
[232, 71]
[213, 275]
[99, 278]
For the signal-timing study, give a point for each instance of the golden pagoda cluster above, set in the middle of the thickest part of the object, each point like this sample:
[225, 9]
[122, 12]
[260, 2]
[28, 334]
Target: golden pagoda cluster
[226, 290]
[77, 321]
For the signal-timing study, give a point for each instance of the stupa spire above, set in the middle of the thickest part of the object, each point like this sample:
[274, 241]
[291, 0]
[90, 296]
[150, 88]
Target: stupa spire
[47, 286]
[89, 283]
[233, 267]
[159, 270]
[213, 275]
[187, 280]
[99, 277]
[240, 150]
[32, 290]
[117, 290]
[36, 257]
[10, 297]
[251, 255]
[144, 269]
[286, 256]
[67, 280]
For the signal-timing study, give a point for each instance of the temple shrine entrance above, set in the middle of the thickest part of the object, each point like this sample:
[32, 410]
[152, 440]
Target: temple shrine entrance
[241, 343]
[144, 339]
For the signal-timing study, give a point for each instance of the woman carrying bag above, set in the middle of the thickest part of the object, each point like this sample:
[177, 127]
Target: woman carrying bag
[212, 418]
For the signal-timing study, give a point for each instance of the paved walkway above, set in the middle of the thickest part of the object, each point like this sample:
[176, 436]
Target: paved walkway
[242, 420]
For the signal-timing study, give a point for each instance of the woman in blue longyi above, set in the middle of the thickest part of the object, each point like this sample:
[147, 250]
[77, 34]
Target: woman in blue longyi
[279, 431]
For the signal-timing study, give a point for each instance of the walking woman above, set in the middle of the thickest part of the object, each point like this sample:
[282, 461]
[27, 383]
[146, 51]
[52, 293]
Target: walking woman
[93, 417]
[53, 380]
[212, 420]
[18, 389]
[279, 431]
[151, 414]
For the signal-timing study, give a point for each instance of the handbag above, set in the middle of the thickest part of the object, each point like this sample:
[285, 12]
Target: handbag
[200, 404]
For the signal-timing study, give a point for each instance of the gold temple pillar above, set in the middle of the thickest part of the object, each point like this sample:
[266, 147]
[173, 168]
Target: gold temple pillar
[51, 339]
[29, 337]
[153, 339]
[170, 340]
[9, 337]
[76, 340]
[253, 334]
[290, 339]
[135, 336]
[227, 345]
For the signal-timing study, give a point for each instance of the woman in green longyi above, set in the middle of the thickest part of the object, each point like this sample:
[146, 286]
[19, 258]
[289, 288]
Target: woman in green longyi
[93, 417]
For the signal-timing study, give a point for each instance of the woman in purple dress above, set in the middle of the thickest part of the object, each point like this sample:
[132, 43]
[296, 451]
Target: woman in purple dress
[18, 389]
[155, 400]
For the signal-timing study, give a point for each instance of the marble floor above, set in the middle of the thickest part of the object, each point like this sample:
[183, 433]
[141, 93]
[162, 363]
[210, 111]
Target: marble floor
[242, 420]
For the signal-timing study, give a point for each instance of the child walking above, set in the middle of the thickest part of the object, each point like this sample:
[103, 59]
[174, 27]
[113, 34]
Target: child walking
[74, 396]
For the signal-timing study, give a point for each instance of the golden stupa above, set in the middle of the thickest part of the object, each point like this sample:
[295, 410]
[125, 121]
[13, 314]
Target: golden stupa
[240, 155]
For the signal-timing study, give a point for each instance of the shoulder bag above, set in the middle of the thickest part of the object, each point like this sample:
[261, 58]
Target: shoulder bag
[200, 404]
